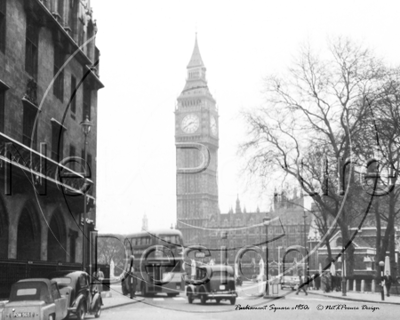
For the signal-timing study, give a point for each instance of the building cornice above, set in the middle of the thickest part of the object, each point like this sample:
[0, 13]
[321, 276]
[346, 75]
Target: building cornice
[46, 18]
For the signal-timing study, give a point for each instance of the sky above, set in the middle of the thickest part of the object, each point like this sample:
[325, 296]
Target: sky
[145, 47]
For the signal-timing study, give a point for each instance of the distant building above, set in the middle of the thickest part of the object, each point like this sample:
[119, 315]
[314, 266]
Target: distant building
[246, 229]
[49, 77]
[145, 223]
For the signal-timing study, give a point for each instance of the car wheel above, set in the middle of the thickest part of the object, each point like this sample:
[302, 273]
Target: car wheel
[233, 300]
[203, 298]
[98, 310]
[52, 317]
[218, 300]
[80, 312]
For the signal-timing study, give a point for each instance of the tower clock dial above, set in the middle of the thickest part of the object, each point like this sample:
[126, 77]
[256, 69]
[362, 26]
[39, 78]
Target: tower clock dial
[213, 126]
[190, 123]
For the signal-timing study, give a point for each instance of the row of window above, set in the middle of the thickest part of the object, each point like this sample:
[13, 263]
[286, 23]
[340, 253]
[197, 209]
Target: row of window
[31, 61]
[29, 134]
[2, 25]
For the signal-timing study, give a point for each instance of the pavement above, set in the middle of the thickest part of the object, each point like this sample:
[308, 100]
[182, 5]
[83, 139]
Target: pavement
[115, 299]
[359, 296]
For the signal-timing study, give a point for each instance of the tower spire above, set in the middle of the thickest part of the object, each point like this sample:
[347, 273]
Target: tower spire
[195, 60]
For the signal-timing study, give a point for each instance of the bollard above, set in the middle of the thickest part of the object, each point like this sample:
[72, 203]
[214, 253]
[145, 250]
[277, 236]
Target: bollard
[373, 286]
[354, 285]
[362, 285]
[347, 285]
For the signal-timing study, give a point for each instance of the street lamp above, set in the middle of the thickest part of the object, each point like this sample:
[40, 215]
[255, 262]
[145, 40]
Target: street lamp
[381, 265]
[224, 249]
[344, 272]
[279, 259]
[266, 223]
[86, 126]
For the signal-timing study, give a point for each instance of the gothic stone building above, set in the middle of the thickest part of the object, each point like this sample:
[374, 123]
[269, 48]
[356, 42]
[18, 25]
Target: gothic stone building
[198, 215]
[48, 85]
[196, 121]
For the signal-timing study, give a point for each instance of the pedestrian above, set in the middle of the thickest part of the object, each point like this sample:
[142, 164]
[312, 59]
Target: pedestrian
[388, 282]
[329, 281]
[302, 284]
[325, 282]
[98, 277]
[317, 281]
[333, 282]
[132, 278]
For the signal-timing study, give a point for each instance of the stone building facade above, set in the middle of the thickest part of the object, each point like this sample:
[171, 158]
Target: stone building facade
[198, 214]
[242, 228]
[49, 77]
[196, 122]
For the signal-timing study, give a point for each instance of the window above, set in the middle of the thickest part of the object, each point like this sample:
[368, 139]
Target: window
[2, 25]
[73, 96]
[31, 48]
[2, 107]
[89, 161]
[57, 141]
[60, 9]
[54, 291]
[72, 152]
[29, 132]
[72, 246]
[87, 101]
[58, 86]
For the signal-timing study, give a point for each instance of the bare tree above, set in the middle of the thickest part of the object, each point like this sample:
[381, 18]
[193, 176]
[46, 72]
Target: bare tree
[309, 128]
[385, 115]
[111, 248]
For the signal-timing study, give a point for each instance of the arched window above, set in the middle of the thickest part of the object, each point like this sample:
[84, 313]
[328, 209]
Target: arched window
[56, 239]
[28, 237]
[3, 232]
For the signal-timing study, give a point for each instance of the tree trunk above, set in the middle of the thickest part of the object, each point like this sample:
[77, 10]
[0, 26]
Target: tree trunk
[328, 247]
[378, 238]
[392, 243]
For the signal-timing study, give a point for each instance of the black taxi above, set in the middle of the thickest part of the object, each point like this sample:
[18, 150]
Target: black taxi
[82, 299]
[212, 282]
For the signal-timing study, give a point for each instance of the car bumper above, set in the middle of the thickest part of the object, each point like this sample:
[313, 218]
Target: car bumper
[222, 295]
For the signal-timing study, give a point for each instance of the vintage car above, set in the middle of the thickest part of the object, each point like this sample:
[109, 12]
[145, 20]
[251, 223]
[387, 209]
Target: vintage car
[289, 282]
[35, 299]
[81, 297]
[216, 282]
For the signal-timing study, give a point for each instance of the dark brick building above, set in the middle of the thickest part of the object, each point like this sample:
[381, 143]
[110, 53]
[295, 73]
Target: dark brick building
[48, 85]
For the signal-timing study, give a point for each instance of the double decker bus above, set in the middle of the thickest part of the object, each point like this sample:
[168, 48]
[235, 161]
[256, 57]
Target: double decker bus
[158, 262]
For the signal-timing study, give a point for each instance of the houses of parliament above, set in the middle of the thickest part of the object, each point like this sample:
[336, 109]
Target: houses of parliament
[198, 215]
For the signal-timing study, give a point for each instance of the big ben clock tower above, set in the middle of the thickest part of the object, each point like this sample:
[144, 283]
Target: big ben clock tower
[196, 121]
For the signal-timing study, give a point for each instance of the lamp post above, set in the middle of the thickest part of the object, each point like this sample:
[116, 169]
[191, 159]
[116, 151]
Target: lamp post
[279, 259]
[86, 126]
[266, 223]
[381, 265]
[224, 253]
[344, 272]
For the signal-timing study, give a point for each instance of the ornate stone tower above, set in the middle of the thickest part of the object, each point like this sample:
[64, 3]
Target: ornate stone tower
[196, 120]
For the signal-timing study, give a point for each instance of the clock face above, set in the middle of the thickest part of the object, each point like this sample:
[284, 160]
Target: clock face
[190, 123]
[213, 126]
